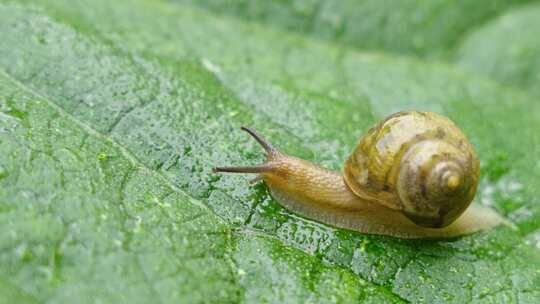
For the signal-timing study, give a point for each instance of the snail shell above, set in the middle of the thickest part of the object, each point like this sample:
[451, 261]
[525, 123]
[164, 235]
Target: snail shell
[416, 162]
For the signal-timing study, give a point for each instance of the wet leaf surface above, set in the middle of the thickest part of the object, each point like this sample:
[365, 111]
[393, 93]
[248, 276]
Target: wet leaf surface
[113, 113]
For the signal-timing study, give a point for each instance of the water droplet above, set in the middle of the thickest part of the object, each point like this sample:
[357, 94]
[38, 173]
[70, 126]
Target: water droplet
[447, 296]
[102, 157]
[3, 172]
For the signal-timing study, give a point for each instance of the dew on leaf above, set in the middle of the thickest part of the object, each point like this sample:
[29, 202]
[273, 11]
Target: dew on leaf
[3, 172]
[103, 156]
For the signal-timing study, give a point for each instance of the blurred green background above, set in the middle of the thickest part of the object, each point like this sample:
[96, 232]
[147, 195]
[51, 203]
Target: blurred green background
[112, 114]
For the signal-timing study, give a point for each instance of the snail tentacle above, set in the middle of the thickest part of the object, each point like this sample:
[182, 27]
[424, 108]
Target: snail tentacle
[271, 153]
[267, 146]
[247, 169]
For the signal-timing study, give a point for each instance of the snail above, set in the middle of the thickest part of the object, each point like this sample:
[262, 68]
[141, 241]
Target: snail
[413, 175]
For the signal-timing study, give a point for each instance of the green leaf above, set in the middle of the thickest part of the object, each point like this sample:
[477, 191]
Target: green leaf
[112, 114]
[414, 27]
[507, 49]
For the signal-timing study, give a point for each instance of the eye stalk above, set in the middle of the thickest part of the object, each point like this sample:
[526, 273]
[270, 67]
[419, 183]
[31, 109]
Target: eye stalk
[268, 148]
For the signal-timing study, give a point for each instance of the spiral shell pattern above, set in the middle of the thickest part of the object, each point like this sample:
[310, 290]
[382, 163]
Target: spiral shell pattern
[416, 162]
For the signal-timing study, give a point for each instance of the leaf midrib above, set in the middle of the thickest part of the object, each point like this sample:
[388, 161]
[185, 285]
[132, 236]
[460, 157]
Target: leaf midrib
[126, 153]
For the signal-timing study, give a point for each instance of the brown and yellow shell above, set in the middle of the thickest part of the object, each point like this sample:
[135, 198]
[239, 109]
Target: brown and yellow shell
[416, 162]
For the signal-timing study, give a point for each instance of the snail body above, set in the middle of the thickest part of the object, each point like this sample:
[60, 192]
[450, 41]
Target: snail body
[413, 175]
